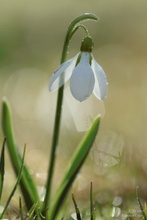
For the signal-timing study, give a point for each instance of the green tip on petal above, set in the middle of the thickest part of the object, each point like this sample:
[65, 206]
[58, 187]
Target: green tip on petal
[87, 44]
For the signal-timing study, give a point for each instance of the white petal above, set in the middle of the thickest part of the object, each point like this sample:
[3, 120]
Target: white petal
[82, 79]
[62, 74]
[101, 84]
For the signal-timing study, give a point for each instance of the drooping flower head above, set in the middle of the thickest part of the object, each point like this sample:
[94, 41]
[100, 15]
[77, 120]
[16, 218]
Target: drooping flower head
[85, 74]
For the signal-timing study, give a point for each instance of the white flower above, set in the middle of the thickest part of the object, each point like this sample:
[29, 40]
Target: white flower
[85, 74]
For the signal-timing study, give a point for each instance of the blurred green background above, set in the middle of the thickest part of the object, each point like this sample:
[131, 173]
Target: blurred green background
[31, 39]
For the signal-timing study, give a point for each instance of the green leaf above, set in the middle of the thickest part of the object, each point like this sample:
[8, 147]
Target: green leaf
[16, 185]
[28, 187]
[73, 168]
[2, 167]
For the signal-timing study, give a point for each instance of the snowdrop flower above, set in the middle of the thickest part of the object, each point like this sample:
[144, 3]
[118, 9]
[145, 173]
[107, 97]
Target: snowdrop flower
[85, 74]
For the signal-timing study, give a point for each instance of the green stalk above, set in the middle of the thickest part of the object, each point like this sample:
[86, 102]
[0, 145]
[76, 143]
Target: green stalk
[56, 130]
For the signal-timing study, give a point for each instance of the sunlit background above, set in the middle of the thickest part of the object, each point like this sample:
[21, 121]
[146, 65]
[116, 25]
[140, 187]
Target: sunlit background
[31, 39]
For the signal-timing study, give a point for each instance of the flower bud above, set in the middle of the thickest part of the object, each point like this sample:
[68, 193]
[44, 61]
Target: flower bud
[87, 44]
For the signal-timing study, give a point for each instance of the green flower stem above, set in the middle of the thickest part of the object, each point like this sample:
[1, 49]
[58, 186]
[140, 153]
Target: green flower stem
[56, 131]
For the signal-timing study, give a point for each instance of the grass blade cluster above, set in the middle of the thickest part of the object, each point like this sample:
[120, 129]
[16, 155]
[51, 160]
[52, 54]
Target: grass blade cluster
[16, 185]
[92, 212]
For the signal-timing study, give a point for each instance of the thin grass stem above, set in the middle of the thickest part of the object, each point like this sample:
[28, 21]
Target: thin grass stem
[92, 214]
[2, 167]
[140, 205]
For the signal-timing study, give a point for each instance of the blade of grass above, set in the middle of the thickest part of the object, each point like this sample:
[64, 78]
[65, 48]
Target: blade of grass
[73, 168]
[76, 208]
[28, 187]
[20, 208]
[92, 214]
[16, 185]
[2, 167]
[140, 205]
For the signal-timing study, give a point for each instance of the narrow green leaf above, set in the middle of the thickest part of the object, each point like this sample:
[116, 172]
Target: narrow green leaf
[92, 214]
[21, 210]
[141, 207]
[2, 167]
[16, 185]
[73, 168]
[76, 208]
[28, 187]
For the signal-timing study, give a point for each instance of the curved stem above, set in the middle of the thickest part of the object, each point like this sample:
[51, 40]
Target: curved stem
[73, 24]
[56, 131]
[80, 26]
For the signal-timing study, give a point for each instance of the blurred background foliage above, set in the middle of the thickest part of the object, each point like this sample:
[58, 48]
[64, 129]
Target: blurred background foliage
[31, 39]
